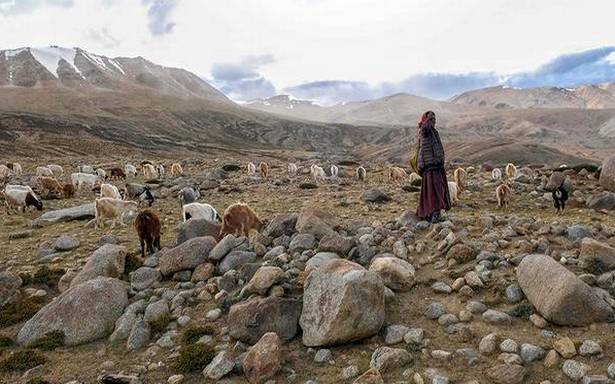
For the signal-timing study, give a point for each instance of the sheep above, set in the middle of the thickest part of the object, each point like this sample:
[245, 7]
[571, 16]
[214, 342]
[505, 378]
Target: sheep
[560, 196]
[200, 211]
[334, 171]
[239, 219]
[176, 170]
[188, 195]
[318, 173]
[397, 174]
[251, 168]
[460, 178]
[263, 168]
[160, 171]
[414, 177]
[5, 172]
[49, 184]
[117, 173]
[147, 225]
[292, 170]
[130, 170]
[68, 190]
[140, 192]
[110, 208]
[82, 180]
[20, 187]
[149, 172]
[109, 190]
[56, 169]
[101, 173]
[496, 174]
[511, 171]
[453, 192]
[503, 194]
[44, 171]
[86, 169]
[361, 173]
[18, 197]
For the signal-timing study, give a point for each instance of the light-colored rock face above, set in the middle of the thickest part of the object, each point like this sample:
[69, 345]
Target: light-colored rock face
[108, 261]
[84, 313]
[263, 279]
[607, 175]
[263, 360]
[558, 294]
[342, 302]
[396, 274]
[9, 287]
[315, 222]
[80, 212]
[595, 256]
[186, 255]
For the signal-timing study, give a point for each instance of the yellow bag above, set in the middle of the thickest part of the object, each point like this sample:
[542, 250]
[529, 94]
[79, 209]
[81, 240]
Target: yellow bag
[414, 156]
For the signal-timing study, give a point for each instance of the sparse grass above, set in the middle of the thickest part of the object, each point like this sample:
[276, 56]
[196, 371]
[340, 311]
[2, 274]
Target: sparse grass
[6, 341]
[50, 341]
[22, 361]
[38, 380]
[44, 276]
[193, 358]
[160, 324]
[193, 333]
[523, 310]
[21, 310]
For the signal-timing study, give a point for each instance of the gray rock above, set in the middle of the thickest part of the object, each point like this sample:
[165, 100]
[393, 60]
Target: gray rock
[496, 317]
[590, 348]
[558, 294]
[196, 228]
[514, 294]
[507, 374]
[394, 334]
[604, 200]
[578, 232]
[434, 310]
[488, 344]
[386, 358]
[509, 345]
[611, 370]
[144, 278]
[350, 372]
[320, 259]
[607, 174]
[9, 287]
[596, 257]
[596, 379]
[220, 366]
[123, 326]
[235, 259]
[323, 356]
[65, 243]
[342, 302]
[476, 307]
[315, 221]
[156, 310]
[375, 195]
[302, 242]
[186, 255]
[414, 336]
[336, 243]
[530, 353]
[139, 335]
[84, 313]
[281, 225]
[574, 370]
[226, 245]
[107, 261]
[263, 279]
[441, 287]
[397, 274]
[81, 212]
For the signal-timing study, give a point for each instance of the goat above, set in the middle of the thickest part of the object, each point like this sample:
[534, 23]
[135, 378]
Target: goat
[130, 170]
[149, 172]
[117, 173]
[263, 168]
[200, 211]
[49, 184]
[397, 174]
[496, 174]
[239, 219]
[68, 190]
[139, 192]
[251, 168]
[453, 192]
[292, 170]
[18, 197]
[511, 171]
[82, 180]
[188, 195]
[147, 225]
[110, 208]
[176, 170]
[101, 173]
[86, 169]
[334, 171]
[110, 190]
[44, 171]
[560, 196]
[318, 173]
[160, 171]
[503, 194]
[5, 172]
[459, 176]
[56, 169]
[361, 173]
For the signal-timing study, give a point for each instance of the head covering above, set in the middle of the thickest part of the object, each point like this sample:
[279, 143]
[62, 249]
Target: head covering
[425, 118]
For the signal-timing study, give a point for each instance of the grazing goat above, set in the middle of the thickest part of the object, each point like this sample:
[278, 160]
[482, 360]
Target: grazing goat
[56, 169]
[397, 174]
[511, 171]
[86, 169]
[160, 171]
[263, 168]
[503, 195]
[251, 168]
[188, 195]
[44, 171]
[139, 192]
[5, 172]
[149, 172]
[83, 180]
[147, 225]
[176, 170]
[453, 192]
[49, 184]
[496, 174]
[460, 178]
[239, 219]
[200, 211]
[21, 197]
[560, 196]
[292, 170]
[334, 171]
[318, 173]
[110, 190]
[68, 190]
[101, 173]
[361, 173]
[110, 208]
[116, 174]
[130, 170]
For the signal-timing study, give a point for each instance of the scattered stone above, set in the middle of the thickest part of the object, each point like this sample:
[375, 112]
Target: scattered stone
[375, 195]
[144, 278]
[496, 317]
[220, 366]
[596, 257]
[139, 335]
[9, 287]
[397, 274]
[323, 356]
[590, 348]
[434, 310]
[65, 243]
[574, 370]
[488, 344]
[565, 347]
[107, 261]
[530, 353]
[81, 212]
[414, 336]
[386, 358]
[607, 175]
[263, 360]
[196, 228]
[371, 376]
[187, 255]
[228, 244]
[315, 221]
[235, 259]
[394, 334]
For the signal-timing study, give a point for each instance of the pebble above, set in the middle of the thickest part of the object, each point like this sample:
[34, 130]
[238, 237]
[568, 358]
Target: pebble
[574, 370]
[538, 321]
[394, 334]
[323, 356]
[214, 314]
[441, 287]
[565, 347]
[488, 344]
[590, 348]
[350, 372]
[414, 336]
[509, 345]
[434, 310]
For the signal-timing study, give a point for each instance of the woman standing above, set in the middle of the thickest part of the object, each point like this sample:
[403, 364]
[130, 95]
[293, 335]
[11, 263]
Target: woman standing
[434, 188]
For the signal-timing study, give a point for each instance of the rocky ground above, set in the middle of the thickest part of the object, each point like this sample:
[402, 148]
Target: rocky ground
[343, 284]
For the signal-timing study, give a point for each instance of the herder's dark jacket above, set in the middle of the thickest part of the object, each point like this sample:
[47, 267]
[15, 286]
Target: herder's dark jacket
[431, 152]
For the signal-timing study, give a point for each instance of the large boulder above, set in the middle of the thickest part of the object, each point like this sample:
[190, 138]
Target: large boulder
[320, 259]
[607, 175]
[342, 302]
[196, 228]
[250, 320]
[263, 279]
[235, 259]
[558, 294]
[186, 255]
[9, 287]
[107, 261]
[81, 212]
[281, 225]
[336, 243]
[397, 274]
[263, 360]
[596, 257]
[84, 313]
[226, 245]
[604, 200]
[315, 221]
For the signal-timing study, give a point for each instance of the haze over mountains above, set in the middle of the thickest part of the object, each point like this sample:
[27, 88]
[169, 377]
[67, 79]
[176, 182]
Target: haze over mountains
[52, 97]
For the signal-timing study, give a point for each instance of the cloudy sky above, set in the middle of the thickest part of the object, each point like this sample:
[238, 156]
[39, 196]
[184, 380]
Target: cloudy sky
[336, 50]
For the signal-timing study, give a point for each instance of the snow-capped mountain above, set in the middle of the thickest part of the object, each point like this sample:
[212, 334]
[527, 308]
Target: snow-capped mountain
[77, 68]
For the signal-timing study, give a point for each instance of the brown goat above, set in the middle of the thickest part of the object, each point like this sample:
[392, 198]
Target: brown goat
[68, 190]
[503, 194]
[147, 225]
[239, 219]
[264, 169]
[49, 184]
[117, 173]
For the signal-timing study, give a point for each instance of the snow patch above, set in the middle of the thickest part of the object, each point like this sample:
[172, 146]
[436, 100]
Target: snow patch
[50, 57]
[13, 52]
[116, 65]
